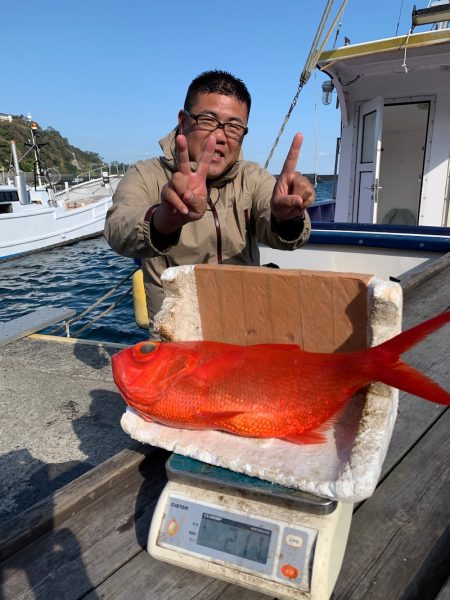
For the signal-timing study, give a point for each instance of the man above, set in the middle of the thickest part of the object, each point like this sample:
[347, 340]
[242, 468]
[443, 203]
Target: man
[201, 202]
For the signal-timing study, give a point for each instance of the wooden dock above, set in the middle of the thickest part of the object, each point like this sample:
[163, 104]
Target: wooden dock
[87, 540]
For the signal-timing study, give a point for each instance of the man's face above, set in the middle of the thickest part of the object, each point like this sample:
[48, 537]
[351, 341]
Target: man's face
[227, 109]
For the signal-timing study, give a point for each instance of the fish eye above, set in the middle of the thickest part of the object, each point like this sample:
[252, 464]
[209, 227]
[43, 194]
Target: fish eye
[143, 351]
[147, 347]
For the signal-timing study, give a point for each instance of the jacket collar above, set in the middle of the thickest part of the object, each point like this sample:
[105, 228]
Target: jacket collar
[169, 159]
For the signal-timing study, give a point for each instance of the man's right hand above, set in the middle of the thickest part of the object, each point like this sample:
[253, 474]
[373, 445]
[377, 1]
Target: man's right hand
[184, 197]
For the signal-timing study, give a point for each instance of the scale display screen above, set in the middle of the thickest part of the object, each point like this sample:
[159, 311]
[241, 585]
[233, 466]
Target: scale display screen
[234, 537]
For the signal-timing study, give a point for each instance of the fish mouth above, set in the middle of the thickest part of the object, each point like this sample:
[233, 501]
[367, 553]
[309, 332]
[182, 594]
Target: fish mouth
[128, 379]
[124, 374]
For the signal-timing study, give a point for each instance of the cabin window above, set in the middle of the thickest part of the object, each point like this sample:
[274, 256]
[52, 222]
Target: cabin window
[5, 208]
[368, 140]
[9, 196]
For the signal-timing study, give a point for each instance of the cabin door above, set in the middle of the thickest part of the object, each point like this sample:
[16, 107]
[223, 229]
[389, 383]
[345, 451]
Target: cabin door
[368, 157]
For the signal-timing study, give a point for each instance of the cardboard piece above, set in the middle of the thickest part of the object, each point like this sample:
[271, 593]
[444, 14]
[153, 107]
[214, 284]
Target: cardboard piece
[320, 311]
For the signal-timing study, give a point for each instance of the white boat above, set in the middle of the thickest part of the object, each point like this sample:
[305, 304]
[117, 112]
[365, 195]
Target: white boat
[39, 218]
[393, 158]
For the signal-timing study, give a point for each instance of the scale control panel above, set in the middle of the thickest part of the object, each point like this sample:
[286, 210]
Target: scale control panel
[261, 546]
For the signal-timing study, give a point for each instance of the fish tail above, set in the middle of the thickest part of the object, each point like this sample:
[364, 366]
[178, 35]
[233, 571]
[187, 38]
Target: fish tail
[396, 373]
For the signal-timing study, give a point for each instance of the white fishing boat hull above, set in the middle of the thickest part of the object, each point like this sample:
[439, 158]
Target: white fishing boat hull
[37, 228]
[388, 252]
[383, 263]
[39, 217]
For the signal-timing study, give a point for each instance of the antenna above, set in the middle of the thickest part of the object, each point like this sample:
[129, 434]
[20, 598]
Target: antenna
[338, 31]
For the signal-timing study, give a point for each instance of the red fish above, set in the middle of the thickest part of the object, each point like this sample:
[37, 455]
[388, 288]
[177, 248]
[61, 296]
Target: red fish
[266, 390]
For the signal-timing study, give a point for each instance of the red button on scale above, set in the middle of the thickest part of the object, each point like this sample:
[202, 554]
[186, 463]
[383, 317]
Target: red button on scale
[290, 571]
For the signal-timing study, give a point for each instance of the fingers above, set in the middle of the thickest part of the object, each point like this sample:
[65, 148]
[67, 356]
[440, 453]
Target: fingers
[204, 160]
[183, 155]
[173, 192]
[206, 157]
[309, 196]
[301, 186]
[291, 196]
[291, 160]
[288, 207]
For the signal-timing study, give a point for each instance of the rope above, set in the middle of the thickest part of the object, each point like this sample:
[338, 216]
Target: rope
[311, 62]
[88, 310]
[405, 68]
[105, 312]
[399, 16]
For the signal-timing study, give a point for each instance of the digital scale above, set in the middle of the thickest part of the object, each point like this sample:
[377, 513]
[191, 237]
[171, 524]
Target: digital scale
[249, 532]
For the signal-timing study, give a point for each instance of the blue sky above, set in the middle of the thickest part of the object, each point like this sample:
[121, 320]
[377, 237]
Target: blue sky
[111, 76]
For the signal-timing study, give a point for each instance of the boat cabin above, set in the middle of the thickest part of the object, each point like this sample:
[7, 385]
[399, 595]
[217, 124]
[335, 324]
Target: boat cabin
[394, 150]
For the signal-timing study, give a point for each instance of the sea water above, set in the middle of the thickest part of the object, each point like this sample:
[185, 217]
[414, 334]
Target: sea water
[76, 277]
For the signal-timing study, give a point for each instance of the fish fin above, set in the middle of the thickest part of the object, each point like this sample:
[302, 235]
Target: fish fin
[406, 378]
[405, 340]
[391, 370]
[218, 416]
[314, 436]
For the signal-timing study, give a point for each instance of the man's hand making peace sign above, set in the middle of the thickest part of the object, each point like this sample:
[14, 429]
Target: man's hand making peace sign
[293, 193]
[184, 198]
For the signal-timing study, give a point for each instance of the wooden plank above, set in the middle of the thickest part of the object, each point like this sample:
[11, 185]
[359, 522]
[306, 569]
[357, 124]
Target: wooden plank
[76, 555]
[399, 540]
[144, 577]
[41, 318]
[416, 416]
[429, 298]
[424, 273]
[71, 499]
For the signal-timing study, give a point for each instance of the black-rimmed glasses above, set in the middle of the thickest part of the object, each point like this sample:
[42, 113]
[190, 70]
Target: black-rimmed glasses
[209, 123]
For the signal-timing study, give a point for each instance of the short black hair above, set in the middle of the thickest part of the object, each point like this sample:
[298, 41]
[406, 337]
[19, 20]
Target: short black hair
[218, 82]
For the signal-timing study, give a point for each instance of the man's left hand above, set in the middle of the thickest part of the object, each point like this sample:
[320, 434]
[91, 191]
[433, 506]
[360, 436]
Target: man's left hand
[293, 192]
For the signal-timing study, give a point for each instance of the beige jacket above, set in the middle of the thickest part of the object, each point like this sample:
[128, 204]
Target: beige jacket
[241, 198]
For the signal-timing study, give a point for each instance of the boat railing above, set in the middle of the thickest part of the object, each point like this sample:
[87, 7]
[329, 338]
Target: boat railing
[103, 184]
[106, 169]
[421, 238]
[322, 210]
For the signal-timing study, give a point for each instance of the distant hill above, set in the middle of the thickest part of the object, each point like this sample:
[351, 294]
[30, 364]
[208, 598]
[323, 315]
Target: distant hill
[57, 151]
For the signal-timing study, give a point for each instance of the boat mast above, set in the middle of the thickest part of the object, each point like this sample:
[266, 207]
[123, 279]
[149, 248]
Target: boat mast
[19, 177]
[40, 177]
[37, 163]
